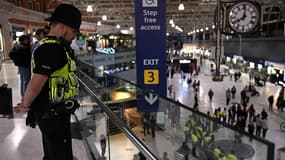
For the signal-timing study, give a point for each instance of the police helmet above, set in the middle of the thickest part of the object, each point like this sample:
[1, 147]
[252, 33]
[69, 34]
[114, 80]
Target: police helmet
[66, 14]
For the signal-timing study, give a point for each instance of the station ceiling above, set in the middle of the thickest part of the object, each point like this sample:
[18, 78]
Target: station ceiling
[196, 14]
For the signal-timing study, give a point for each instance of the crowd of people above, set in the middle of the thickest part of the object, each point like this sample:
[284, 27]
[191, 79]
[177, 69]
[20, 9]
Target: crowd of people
[241, 114]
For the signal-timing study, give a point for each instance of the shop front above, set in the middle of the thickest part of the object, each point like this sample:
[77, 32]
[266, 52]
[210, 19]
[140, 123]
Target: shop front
[276, 72]
[187, 65]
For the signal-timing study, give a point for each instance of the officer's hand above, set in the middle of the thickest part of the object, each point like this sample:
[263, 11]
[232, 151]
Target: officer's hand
[21, 108]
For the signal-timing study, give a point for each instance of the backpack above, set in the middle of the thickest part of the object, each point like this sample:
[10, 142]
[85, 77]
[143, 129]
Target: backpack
[15, 55]
[20, 55]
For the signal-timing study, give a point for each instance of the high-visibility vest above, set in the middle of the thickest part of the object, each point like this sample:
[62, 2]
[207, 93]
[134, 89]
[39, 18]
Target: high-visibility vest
[224, 113]
[208, 138]
[62, 82]
[232, 157]
[192, 121]
[186, 128]
[217, 152]
[200, 132]
[223, 158]
[194, 138]
[219, 114]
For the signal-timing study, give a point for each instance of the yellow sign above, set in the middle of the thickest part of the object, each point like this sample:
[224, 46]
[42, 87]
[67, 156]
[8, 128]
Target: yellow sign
[151, 76]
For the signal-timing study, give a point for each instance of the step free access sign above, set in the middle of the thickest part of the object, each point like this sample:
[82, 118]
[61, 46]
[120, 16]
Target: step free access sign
[150, 52]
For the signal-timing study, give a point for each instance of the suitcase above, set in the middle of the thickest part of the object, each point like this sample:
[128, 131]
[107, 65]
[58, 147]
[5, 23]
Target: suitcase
[6, 101]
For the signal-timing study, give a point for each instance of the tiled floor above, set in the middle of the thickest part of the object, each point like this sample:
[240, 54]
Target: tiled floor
[20, 142]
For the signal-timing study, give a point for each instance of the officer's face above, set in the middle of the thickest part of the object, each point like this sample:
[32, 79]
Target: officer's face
[69, 33]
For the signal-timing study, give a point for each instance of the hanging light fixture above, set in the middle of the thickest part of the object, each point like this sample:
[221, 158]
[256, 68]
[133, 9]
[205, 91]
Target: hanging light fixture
[89, 8]
[99, 23]
[104, 17]
[118, 26]
[181, 7]
[171, 21]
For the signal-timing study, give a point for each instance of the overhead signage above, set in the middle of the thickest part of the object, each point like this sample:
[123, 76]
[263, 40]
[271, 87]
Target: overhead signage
[150, 52]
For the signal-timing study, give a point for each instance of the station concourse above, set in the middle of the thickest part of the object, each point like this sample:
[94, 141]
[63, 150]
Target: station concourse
[17, 139]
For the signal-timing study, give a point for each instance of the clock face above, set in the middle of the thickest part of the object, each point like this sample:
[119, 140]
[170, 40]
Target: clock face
[244, 17]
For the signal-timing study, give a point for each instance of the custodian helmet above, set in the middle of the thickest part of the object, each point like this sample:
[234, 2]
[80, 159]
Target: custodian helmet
[66, 14]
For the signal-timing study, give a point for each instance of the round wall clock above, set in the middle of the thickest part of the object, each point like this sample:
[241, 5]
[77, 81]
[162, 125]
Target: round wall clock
[244, 17]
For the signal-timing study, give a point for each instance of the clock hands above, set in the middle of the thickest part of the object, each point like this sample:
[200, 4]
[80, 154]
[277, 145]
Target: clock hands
[243, 15]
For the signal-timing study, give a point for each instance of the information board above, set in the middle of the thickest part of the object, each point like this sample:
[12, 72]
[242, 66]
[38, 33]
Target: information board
[150, 52]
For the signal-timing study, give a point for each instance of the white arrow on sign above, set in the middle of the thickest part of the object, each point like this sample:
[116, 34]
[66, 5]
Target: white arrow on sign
[151, 99]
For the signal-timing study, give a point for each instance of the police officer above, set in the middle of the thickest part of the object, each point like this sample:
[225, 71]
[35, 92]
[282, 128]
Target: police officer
[52, 89]
[186, 130]
[231, 156]
[195, 141]
[219, 154]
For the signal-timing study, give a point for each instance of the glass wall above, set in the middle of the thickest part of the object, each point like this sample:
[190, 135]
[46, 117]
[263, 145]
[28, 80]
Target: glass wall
[175, 129]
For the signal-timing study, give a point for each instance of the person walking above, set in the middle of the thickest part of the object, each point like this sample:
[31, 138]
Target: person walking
[234, 112]
[279, 103]
[251, 111]
[196, 98]
[233, 90]
[250, 128]
[258, 124]
[165, 156]
[228, 96]
[103, 145]
[270, 102]
[264, 114]
[210, 94]
[264, 127]
[230, 115]
[52, 89]
[224, 115]
[152, 122]
[170, 88]
[146, 123]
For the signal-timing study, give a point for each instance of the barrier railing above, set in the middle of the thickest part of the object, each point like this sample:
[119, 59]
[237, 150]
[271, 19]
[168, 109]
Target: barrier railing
[95, 119]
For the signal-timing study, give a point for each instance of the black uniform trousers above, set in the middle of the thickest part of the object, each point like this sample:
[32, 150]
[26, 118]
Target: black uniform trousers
[56, 136]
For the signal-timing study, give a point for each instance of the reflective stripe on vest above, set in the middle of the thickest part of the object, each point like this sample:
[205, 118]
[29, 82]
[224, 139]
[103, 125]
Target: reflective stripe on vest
[62, 82]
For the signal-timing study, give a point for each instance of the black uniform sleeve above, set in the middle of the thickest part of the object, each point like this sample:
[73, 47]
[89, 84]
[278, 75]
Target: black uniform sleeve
[49, 58]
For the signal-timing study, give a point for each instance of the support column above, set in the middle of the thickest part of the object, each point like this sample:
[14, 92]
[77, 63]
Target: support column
[217, 76]
[284, 30]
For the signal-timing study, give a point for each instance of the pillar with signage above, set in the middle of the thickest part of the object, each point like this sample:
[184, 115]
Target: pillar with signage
[150, 52]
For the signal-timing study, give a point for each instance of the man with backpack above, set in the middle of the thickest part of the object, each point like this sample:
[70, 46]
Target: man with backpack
[21, 56]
